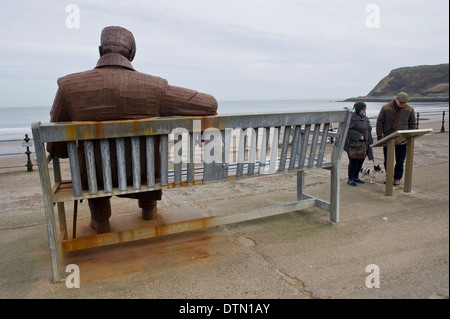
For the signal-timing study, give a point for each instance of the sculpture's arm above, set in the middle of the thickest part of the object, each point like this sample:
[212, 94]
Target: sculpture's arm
[181, 101]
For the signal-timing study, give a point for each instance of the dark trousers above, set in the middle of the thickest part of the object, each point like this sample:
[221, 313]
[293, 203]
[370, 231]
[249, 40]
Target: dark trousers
[400, 155]
[354, 167]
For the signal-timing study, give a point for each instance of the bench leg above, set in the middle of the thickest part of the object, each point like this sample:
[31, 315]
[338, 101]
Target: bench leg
[53, 242]
[301, 185]
[334, 196]
[333, 206]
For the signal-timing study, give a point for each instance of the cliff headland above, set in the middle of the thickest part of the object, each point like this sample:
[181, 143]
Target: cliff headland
[423, 83]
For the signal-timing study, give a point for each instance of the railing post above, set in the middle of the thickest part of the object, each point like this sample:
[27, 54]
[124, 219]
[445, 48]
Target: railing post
[417, 121]
[28, 143]
[443, 122]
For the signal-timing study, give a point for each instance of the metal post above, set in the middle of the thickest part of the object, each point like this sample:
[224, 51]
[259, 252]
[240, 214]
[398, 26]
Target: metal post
[443, 122]
[390, 156]
[417, 121]
[27, 143]
[409, 164]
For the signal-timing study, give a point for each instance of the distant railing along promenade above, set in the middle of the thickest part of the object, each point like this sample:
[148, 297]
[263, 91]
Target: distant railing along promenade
[27, 143]
[28, 163]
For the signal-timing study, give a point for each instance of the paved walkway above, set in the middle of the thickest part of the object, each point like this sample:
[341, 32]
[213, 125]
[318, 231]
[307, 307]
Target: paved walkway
[296, 255]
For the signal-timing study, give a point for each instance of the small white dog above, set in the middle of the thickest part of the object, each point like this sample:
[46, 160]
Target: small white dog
[371, 173]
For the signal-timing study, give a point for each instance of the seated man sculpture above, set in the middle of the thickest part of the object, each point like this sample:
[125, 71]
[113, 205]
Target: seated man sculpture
[113, 90]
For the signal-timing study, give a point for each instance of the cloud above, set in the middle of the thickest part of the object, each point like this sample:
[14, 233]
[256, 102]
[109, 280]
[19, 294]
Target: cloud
[246, 49]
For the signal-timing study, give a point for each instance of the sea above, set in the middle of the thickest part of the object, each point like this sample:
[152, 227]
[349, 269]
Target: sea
[15, 122]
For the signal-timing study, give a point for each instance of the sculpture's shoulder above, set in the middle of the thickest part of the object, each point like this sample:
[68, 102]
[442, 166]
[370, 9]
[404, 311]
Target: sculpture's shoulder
[77, 78]
[148, 79]
[97, 76]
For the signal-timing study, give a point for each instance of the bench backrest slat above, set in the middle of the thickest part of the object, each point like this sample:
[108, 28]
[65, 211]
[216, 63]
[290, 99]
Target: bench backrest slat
[136, 162]
[106, 166]
[90, 165]
[274, 149]
[121, 164]
[164, 147]
[149, 148]
[323, 144]
[314, 145]
[295, 147]
[264, 146]
[74, 168]
[284, 148]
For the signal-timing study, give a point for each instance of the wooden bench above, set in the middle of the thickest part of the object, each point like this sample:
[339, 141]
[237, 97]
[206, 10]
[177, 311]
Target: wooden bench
[192, 151]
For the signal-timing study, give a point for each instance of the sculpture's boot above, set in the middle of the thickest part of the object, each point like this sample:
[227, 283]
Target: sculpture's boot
[148, 209]
[100, 213]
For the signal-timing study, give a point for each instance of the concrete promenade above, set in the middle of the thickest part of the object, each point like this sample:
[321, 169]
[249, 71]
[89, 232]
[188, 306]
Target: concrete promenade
[293, 256]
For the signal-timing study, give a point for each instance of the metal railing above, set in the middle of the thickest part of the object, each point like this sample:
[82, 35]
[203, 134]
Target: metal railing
[431, 114]
[26, 142]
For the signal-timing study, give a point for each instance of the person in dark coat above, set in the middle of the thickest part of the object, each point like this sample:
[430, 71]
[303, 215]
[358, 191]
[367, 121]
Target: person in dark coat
[114, 90]
[359, 130]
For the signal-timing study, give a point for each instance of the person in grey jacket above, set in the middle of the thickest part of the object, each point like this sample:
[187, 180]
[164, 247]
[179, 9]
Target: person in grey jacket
[396, 115]
[359, 130]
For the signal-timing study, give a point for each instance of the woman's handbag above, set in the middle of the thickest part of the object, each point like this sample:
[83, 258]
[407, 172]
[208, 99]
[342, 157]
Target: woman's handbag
[357, 150]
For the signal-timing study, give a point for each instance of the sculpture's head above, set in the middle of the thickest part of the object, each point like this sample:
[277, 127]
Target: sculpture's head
[117, 40]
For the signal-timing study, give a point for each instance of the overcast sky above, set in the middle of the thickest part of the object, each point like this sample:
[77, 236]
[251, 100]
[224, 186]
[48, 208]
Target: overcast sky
[232, 49]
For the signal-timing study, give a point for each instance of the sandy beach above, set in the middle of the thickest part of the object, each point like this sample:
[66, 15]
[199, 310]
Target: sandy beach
[293, 256]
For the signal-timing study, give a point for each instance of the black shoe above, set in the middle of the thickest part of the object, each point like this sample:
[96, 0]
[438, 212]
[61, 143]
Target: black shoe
[351, 183]
[357, 180]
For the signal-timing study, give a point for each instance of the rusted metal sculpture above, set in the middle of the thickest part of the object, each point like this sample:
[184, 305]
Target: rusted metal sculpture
[114, 90]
